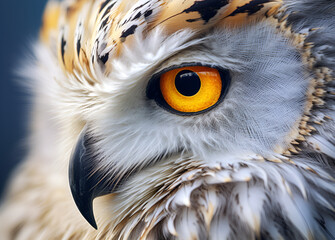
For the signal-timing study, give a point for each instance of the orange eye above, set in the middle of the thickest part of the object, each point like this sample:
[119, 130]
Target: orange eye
[190, 90]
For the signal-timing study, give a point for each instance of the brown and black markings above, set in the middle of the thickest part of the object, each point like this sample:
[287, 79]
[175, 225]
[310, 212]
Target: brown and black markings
[109, 23]
[250, 8]
[206, 9]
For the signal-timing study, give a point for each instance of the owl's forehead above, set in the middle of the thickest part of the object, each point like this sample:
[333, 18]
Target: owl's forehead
[87, 31]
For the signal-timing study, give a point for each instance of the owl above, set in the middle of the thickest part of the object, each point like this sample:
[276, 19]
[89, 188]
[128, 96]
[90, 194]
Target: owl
[179, 119]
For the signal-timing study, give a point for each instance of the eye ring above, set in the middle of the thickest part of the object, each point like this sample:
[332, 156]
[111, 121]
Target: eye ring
[154, 89]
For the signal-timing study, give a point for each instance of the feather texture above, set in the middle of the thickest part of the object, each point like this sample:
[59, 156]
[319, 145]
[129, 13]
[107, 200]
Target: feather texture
[260, 165]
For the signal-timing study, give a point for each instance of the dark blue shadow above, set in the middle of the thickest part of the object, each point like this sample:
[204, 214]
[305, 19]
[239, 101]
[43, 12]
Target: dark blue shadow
[20, 21]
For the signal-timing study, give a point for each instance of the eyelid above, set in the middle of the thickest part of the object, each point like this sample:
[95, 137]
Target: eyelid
[153, 90]
[157, 75]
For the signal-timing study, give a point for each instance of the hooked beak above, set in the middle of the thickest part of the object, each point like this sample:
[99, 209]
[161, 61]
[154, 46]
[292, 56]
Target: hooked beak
[86, 182]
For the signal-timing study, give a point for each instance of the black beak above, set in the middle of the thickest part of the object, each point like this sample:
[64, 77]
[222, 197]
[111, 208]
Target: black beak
[86, 182]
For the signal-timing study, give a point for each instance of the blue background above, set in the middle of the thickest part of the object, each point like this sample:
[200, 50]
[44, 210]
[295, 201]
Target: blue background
[20, 21]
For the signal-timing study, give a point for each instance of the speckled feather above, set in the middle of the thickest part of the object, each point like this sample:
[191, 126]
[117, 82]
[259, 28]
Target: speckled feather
[105, 26]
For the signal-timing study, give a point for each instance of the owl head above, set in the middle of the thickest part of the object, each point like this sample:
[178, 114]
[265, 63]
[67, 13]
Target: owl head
[202, 119]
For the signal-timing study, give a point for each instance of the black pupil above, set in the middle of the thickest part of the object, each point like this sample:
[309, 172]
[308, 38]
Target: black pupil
[187, 83]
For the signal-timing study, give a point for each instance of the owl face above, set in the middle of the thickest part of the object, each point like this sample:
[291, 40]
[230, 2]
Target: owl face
[182, 87]
[260, 111]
